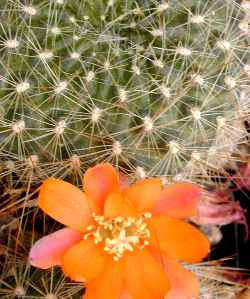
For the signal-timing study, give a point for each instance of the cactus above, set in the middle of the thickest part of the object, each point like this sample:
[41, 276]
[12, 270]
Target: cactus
[155, 88]
[144, 85]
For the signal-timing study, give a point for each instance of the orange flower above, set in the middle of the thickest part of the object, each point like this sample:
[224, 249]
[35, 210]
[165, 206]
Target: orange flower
[122, 242]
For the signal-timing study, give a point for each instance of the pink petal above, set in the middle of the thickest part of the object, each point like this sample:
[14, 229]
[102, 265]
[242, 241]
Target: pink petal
[48, 251]
[99, 181]
[178, 200]
[123, 180]
[184, 284]
[125, 295]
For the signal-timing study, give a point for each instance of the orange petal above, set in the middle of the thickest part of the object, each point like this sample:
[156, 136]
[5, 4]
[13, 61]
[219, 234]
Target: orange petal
[144, 194]
[184, 284]
[144, 276]
[49, 250]
[179, 240]
[65, 203]
[99, 181]
[117, 205]
[178, 200]
[84, 261]
[108, 285]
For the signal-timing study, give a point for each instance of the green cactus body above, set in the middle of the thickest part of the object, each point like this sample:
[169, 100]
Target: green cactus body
[139, 84]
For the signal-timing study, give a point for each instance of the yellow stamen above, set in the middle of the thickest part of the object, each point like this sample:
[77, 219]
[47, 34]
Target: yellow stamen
[119, 234]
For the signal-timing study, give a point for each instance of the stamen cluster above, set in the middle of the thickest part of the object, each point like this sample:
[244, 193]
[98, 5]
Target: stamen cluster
[120, 234]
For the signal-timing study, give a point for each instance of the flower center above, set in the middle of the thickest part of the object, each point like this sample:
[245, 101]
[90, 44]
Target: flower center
[120, 234]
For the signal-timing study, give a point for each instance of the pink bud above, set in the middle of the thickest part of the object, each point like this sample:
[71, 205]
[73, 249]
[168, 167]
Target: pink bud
[221, 212]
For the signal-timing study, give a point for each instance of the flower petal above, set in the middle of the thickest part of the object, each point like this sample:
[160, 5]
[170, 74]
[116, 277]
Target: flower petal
[143, 194]
[177, 239]
[65, 203]
[125, 295]
[178, 200]
[184, 284]
[144, 276]
[48, 251]
[99, 181]
[123, 181]
[109, 285]
[117, 205]
[84, 261]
